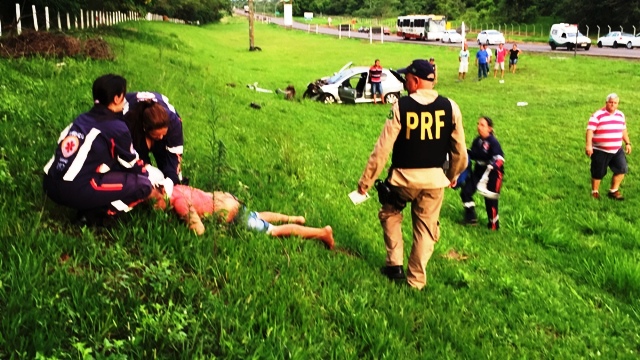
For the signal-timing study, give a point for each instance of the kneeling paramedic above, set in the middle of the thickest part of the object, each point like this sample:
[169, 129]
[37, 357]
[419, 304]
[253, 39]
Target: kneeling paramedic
[425, 132]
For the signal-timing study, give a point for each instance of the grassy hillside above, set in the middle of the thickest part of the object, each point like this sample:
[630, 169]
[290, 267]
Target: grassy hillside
[560, 280]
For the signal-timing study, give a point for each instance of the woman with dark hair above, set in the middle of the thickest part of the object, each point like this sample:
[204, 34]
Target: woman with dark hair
[94, 168]
[486, 176]
[156, 129]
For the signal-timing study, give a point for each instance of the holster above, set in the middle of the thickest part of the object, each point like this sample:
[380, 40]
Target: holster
[388, 196]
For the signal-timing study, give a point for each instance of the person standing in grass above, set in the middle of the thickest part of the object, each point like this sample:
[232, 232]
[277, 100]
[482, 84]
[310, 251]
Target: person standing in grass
[375, 78]
[432, 61]
[156, 129]
[606, 131]
[463, 58]
[192, 204]
[486, 176]
[425, 132]
[513, 58]
[482, 57]
[95, 169]
[501, 54]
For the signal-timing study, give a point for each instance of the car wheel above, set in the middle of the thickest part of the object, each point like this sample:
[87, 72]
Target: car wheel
[629, 45]
[599, 44]
[588, 47]
[615, 44]
[479, 43]
[328, 99]
[488, 42]
[307, 94]
[570, 47]
[553, 46]
[450, 41]
[391, 98]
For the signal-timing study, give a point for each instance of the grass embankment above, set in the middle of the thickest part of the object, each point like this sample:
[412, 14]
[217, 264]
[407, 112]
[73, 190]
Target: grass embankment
[560, 280]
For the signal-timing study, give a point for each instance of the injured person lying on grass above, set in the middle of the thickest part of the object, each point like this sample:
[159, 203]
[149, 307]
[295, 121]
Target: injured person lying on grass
[193, 204]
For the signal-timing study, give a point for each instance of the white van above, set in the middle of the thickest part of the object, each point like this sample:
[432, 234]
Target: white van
[564, 35]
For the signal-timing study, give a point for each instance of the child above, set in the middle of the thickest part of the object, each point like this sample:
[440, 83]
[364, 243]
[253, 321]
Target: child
[191, 204]
[486, 176]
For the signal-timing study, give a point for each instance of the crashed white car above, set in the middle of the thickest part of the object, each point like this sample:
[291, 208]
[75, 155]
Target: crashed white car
[351, 85]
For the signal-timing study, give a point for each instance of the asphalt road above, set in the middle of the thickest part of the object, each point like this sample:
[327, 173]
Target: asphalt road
[526, 47]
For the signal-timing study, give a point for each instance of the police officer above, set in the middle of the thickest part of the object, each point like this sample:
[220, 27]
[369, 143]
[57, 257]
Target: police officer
[425, 132]
[156, 129]
[94, 168]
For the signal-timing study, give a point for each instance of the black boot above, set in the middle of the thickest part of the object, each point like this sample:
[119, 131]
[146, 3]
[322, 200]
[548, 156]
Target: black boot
[395, 273]
[470, 217]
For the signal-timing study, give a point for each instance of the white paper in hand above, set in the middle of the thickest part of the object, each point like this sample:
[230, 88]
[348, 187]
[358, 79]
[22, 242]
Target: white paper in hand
[357, 198]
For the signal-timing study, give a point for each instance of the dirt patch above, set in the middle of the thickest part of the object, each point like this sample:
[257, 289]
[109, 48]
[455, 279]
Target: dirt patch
[56, 45]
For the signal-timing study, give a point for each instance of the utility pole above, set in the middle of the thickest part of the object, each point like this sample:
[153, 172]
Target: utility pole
[251, 43]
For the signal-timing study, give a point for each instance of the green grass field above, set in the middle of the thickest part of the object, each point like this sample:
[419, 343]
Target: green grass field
[560, 280]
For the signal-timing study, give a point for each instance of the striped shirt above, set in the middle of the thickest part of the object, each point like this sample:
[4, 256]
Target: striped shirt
[375, 74]
[607, 130]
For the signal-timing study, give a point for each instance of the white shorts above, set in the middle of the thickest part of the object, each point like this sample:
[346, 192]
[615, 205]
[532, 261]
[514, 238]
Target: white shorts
[464, 67]
[499, 66]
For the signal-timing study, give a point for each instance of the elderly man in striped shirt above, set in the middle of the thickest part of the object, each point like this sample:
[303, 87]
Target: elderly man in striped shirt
[606, 131]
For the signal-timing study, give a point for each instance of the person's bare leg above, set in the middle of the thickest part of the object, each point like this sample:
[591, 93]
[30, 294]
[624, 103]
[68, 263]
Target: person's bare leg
[324, 234]
[595, 185]
[616, 181]
[277, 218]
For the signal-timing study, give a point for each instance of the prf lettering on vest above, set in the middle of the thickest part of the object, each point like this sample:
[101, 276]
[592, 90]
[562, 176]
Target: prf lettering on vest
[426, 123]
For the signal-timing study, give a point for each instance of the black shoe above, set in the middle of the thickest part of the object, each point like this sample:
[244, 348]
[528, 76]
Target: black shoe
[470, 217]
[395, 273]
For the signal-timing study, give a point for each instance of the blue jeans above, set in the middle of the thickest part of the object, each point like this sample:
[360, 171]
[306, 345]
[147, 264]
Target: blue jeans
[376, 87]
[483, 69]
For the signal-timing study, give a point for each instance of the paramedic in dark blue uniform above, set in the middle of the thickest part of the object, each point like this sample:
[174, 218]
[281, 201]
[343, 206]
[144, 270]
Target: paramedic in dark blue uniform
[486, 176]
[94, 168]
[155, 134]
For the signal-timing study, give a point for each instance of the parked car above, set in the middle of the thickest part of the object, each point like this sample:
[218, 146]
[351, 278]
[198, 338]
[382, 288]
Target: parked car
[618, 38]
[351, 85]
[451, 36]
[564, 35]
[363, 29]
[490, 37]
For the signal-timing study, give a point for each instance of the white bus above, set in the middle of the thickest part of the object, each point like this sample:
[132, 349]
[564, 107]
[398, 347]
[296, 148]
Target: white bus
[422, 27]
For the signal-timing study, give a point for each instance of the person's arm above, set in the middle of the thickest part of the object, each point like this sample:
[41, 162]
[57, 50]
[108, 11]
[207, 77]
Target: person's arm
[589, 145]
[183, 206]
[382, 149]
[172, 167]
[625, 138]
[458, 147]
[591, 127]
[124, 153]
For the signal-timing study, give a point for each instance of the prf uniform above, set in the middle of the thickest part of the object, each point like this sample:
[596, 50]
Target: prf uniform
[422, 129]
[95, 166]
[168, 151]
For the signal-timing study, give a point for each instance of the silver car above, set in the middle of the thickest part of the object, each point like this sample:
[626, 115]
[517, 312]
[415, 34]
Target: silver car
[351, 85]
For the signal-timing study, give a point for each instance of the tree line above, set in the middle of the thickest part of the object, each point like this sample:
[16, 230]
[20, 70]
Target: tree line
[205, 11]
[615, 13]
[588, 12]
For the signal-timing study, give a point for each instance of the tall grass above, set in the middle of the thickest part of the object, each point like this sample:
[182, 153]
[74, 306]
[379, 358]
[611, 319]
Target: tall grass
[560, 279]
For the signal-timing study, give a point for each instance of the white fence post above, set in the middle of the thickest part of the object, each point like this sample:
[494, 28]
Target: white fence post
[59, 23]
[382, 35]
[316, 28]
[81, 19]
[93, 19]
[19, 26]
[370, 35]
[46, 17]
[75, 17]
[35, 17]
[68, 22]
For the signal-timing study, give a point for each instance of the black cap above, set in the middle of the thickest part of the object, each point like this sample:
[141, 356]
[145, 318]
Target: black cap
[419, 68]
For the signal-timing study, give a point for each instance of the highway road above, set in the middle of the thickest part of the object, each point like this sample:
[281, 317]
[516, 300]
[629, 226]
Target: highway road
[527, 47]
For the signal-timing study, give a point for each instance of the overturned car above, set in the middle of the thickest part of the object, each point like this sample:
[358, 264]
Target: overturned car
[351, 85]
